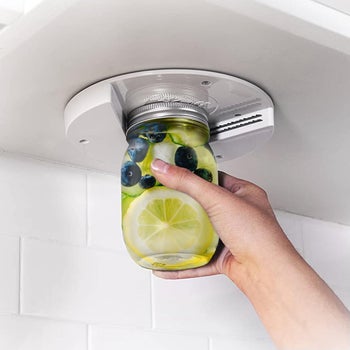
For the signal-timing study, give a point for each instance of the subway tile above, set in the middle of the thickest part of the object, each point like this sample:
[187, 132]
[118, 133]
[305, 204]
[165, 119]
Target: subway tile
[28, 333]
[292, 227]
[251, 343]
[207, 304]
[9, 274]
[327, 250]
[42, 200]
[104, 220]
[109, 338]
[83, 284]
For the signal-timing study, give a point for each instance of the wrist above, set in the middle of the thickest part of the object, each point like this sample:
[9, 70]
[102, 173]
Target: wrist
[284, 289]
[269, 255]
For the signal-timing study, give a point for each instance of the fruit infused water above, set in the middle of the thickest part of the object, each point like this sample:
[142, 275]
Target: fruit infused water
[165, 229]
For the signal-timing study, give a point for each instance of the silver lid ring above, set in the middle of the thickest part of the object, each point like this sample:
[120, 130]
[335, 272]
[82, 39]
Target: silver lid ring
[161, 110]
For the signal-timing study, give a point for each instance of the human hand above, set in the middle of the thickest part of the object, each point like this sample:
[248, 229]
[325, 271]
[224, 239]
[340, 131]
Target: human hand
[241, 215]
[287, 294]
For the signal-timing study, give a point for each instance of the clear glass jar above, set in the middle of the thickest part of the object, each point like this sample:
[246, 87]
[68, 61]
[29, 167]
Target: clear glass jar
[164, 229]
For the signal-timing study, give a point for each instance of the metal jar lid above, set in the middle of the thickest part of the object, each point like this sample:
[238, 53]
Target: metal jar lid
[162, 110]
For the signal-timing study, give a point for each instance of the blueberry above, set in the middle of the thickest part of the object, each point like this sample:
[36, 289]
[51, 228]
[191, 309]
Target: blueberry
[147, 181]
[156, 132]
[130, 174]
[204, 174]
[137, 149]
[186, 157]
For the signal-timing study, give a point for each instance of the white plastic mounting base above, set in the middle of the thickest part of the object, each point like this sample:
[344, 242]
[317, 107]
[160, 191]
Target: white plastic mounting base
[240, 114]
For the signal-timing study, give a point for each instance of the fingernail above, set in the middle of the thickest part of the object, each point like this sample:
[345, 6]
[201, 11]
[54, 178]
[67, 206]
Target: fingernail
[160, 166]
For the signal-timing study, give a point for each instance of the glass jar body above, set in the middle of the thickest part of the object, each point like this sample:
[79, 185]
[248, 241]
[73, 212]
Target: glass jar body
[164, 229]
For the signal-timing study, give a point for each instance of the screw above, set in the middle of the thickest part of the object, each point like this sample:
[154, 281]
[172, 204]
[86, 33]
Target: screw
[206, 83]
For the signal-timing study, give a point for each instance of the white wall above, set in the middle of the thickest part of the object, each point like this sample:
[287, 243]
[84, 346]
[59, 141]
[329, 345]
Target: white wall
[66, 281]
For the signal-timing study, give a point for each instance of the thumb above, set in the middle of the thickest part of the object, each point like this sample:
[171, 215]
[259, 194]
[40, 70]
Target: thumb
[181, 179]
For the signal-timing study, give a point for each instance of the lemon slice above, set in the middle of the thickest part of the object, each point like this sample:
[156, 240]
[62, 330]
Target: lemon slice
[163, 220]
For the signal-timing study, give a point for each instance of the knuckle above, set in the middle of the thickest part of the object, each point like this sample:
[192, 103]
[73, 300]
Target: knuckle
[255, 188]
[255, 191]
[262, 192]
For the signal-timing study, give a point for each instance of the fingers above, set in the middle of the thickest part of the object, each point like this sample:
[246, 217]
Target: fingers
[220, 263]
[207, 270]
[204, 192]
[231, 183]
[221, 204]
[241, 188]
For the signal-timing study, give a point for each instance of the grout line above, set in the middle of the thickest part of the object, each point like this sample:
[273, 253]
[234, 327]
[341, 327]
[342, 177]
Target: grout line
[72, 244]
[88, 337]
[152, 297]
[210, 343]
[20, 273]
[51, 318]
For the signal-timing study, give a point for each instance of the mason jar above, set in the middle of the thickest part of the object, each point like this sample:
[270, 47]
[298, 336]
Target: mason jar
[164, 229]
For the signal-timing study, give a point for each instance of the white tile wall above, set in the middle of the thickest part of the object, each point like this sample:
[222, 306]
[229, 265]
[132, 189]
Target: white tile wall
[66, 282]
[42, 200]
[292, 227]
[28, 333]
[9, 274]
[109, 338]
[327, 249]
[209, 304]
[104, 221]
[66, 279]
